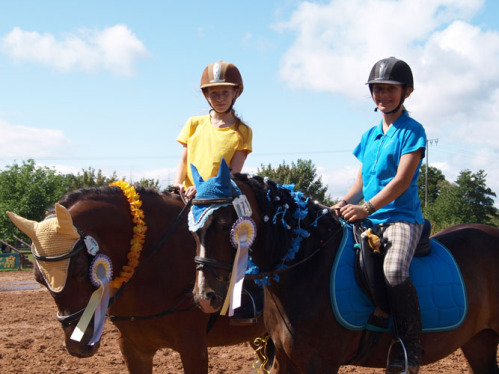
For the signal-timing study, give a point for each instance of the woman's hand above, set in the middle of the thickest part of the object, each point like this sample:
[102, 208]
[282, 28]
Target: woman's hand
[352, 212]
[336, 207]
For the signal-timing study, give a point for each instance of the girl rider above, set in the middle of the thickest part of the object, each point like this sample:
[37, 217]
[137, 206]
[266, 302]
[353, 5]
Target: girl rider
[220, 133]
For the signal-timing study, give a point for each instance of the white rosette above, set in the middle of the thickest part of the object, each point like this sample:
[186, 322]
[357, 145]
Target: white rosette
[242, 235]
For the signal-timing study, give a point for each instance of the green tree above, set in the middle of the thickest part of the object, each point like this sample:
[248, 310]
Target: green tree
[435, 179]
[477, 203]
[88, 178]
[27, 190]
[303, 175]
[468, 200]
[149, 183]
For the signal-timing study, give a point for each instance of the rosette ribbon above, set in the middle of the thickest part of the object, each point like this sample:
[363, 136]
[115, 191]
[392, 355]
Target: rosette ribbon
[101, 272]
[242, 235]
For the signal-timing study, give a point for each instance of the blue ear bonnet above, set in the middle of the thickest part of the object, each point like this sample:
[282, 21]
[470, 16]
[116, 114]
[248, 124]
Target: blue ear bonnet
[217, 187]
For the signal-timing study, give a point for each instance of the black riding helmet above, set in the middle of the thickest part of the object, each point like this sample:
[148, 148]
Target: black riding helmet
[391, 71]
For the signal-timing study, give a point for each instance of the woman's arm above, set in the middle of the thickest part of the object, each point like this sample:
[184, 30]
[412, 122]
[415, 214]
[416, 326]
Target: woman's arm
[400, 183]
[405, 171]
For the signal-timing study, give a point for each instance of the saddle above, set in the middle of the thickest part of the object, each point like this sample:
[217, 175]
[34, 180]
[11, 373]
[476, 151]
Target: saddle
[369, 256]
[436, 276]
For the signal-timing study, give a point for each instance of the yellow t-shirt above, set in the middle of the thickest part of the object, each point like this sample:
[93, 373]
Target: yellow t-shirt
[206, 145]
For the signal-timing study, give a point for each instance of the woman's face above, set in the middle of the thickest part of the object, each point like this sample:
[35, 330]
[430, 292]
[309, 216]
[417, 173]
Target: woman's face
[387, 96]
[220, 97]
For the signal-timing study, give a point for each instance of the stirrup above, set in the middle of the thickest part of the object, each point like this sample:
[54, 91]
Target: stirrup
[246, 320]
[406, 361]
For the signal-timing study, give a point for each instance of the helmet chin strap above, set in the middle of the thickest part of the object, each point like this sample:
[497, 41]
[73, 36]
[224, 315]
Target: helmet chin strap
[402, 99]
[226, 112]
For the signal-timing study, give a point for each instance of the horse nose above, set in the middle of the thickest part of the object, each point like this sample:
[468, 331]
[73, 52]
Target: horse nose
[207, 301]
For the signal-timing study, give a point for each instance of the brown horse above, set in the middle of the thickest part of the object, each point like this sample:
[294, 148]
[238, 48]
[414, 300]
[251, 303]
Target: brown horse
[297, 308]
[155, 308]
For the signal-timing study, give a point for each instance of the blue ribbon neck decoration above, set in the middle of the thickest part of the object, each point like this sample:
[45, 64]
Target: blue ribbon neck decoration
[217, 187]
[299, 233]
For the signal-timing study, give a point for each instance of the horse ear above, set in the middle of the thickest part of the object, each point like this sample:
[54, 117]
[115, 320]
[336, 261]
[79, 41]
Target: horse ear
[224, 173]
[198, 179]
[25, 225]
[65, 221]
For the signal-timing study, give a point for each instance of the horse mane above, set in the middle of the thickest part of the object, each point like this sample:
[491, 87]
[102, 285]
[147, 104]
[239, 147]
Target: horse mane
[103, 193]
[271, 195]
[287, 214]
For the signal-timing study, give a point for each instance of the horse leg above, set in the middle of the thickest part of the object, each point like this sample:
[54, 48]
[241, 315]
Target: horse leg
[138, 361]
[194, 354]
[481, 352]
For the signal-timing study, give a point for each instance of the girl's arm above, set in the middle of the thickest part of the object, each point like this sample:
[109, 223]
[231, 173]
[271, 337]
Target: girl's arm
[236, 165]
[181, 172]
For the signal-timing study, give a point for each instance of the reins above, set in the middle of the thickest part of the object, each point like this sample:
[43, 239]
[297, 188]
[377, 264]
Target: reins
[72, 318]
[157, 247]
[292, 266]
[157, 315]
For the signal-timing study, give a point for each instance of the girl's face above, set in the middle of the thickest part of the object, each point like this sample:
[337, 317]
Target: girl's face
[220, 97]
[387, 96]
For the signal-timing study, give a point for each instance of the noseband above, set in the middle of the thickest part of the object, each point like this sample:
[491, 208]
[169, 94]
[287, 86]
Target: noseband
[208, 264]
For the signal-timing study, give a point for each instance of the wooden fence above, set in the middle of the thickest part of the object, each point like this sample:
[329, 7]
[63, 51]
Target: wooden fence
[15, 255]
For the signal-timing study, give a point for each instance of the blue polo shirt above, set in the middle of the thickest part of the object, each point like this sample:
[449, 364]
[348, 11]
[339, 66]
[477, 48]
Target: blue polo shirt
[380, 156]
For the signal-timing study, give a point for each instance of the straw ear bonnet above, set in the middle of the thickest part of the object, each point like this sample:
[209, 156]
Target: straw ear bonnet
[54, 236]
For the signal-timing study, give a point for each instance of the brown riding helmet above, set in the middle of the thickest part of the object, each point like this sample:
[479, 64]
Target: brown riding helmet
[222, 73]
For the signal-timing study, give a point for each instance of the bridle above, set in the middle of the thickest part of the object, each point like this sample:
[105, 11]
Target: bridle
[80, 245]
[208, 264]
[211, 265]
[73, 318]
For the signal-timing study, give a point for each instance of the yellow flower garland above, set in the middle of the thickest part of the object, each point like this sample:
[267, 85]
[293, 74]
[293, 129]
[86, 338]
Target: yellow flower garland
[139, 233]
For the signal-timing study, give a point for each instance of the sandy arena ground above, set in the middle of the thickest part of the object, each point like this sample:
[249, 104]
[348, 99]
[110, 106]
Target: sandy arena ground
[31, 341]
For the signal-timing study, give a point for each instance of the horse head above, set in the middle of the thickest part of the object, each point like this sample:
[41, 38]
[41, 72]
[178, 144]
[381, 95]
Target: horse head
[282, 220]
[212, 276]
[62, 266]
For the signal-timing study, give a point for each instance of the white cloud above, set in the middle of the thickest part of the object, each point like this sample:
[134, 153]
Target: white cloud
[337, 43]
[454, 63]
[114, 48]
[22, 142]
[338, 181]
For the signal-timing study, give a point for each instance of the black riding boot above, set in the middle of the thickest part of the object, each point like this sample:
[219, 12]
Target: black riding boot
[406, 326]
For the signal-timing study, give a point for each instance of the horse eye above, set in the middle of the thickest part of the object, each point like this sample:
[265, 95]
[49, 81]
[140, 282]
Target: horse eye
[226, 228]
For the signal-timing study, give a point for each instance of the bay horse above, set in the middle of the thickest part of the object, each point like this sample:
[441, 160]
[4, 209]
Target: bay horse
[297, 305]
[155, 308]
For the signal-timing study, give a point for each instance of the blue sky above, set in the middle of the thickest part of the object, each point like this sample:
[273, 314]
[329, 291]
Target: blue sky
[109, 84]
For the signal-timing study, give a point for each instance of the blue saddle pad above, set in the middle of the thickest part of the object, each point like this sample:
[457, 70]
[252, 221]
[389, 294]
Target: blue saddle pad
[437, 278]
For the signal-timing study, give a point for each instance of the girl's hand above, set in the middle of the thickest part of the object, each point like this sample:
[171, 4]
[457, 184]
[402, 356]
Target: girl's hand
[190, 192]
[179, 187]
